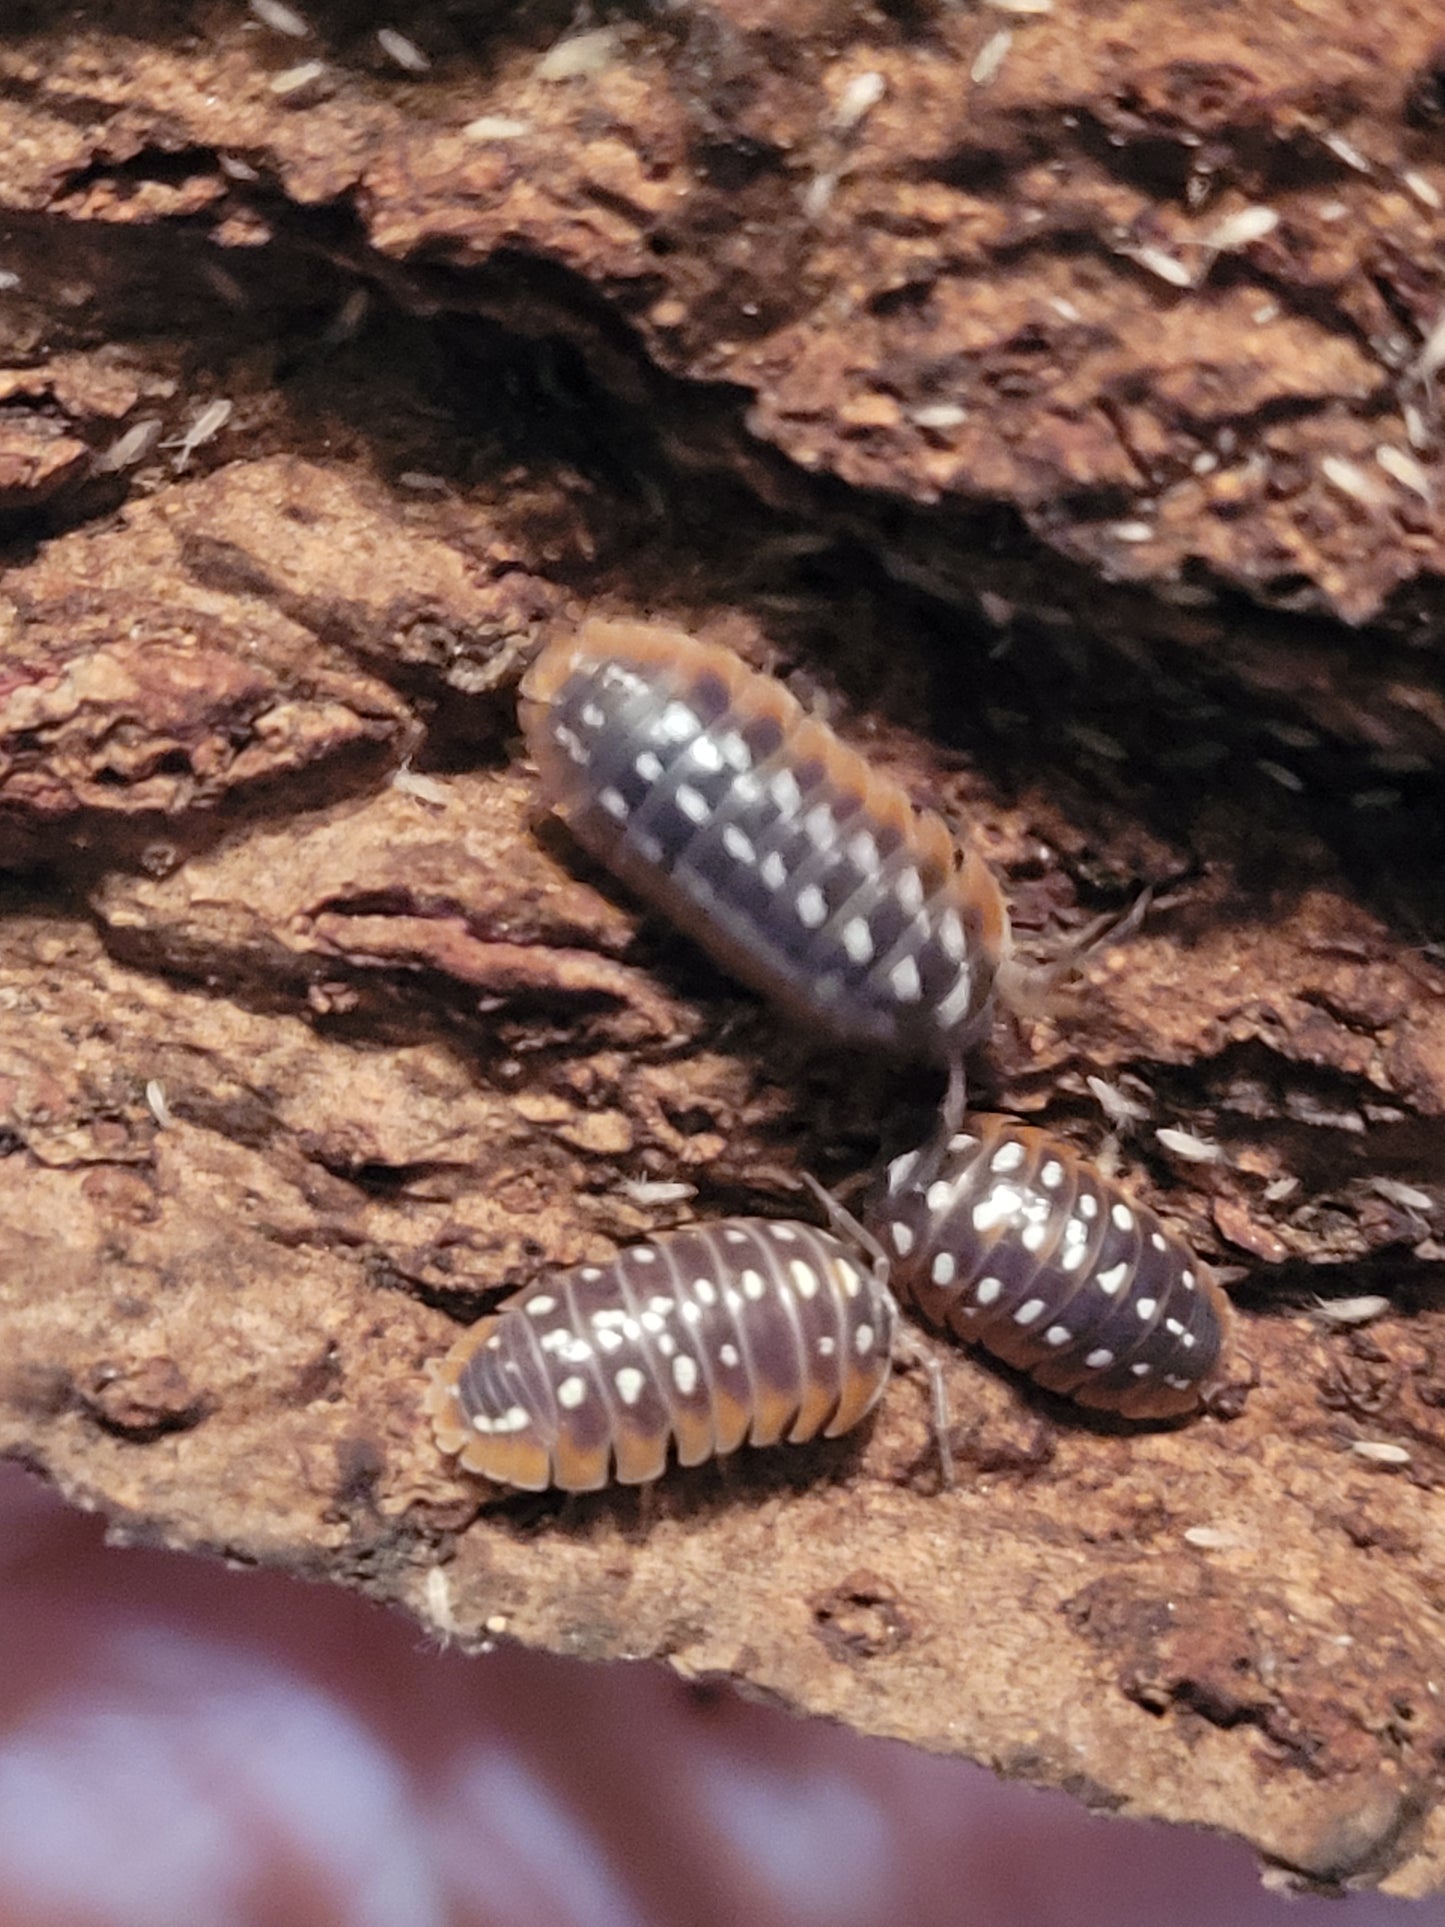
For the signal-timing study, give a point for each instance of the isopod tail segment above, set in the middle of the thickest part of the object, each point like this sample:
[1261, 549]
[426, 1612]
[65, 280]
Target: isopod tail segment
[748, 1332]
[800, 869]
[1014, 1242]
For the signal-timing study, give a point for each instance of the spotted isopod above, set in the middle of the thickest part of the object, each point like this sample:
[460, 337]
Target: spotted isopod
[706, 788]
[1015, 1242]
[750, 1331]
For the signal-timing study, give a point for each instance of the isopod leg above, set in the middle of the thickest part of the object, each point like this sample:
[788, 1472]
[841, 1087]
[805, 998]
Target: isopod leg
[910, 1348]
[847, 1226]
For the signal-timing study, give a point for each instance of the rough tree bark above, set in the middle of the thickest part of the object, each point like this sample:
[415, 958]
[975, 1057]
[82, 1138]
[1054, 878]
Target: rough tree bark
[1051, 393]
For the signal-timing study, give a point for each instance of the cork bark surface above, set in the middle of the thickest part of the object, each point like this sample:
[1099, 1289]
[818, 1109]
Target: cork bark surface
[1051, 396]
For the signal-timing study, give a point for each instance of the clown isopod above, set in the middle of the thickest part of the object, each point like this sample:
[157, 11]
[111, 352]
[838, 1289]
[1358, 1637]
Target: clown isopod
[1014, 1242]
[750, 1331]
[808, 875]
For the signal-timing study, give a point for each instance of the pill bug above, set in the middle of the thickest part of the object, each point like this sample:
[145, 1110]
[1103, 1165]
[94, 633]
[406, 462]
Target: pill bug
[1013, 1241]
[745, 1332]
[808, 875]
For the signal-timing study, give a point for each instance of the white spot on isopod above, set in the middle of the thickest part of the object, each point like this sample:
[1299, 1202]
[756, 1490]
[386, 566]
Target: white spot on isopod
[1075, 1249]
[820, 827]
[957, 1001]
[863, 850]
[786, 794]
[1001, 1202]
[678, 724]
[858, 940]
[805, 1279]
[906, 983]
[629, 1382]
[812, 907]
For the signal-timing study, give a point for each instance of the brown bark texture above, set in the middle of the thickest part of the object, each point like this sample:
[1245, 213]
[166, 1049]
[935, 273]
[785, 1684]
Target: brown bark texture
[1050, 393]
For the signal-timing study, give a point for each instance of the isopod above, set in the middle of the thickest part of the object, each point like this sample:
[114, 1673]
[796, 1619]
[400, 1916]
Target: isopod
[706, 788]
[1013, 1241]
[749, 1331]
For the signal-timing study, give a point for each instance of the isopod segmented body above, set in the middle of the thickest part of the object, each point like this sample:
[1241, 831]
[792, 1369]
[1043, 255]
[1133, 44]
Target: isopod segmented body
[749, 1331]
[1014, 1242]
[810, 876]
